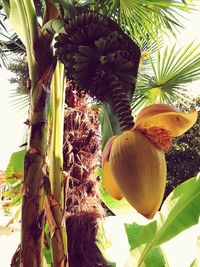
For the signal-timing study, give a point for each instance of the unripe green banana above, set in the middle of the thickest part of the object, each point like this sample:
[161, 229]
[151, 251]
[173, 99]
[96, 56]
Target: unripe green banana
[104, 53]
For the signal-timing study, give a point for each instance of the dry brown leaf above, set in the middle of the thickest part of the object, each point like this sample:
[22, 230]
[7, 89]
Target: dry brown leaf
[47, 206]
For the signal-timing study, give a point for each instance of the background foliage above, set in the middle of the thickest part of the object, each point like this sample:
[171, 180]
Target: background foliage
[183, 159]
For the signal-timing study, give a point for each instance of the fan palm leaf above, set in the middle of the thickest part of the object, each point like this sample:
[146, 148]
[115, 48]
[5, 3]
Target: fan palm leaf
[2, 19]
[145, 18]
[169, 76]
[19, 102]
[9, 44]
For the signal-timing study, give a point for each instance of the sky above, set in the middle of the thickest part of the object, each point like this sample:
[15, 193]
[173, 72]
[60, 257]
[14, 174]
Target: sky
[11, 122]
[12, 127]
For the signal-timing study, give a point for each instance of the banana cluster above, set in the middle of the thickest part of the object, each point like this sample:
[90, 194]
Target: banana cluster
[93, 49]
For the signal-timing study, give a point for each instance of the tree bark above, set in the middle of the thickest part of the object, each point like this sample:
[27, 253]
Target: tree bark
[34, 171]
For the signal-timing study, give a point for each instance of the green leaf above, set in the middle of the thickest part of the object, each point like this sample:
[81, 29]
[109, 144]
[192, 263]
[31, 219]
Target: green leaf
[14, 173]
[47, 255]
[109, 124]
[16, 19]
[194, 263]
[167, 79]
[54, 26]
[16, 163]
[156, 258]
[6, 6]
[15, 201]
[180, 211]
[145, 19]
[46, 247]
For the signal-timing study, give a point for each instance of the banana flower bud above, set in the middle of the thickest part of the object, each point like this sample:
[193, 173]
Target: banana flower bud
[134, 164]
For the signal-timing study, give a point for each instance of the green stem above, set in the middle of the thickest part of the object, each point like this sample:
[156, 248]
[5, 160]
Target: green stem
[57, 131]
[59, 238]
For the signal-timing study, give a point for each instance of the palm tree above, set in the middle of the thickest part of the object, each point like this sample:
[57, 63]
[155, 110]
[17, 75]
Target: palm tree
[144, 23]
[81, 153]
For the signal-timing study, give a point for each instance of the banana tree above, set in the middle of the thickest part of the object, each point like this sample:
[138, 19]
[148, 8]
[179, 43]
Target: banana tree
[44, 188]
[42, 68]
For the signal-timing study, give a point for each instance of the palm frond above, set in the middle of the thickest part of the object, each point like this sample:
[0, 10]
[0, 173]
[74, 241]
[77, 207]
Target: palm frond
[168, 78]
[11, 44]
[108, 8]
[2, 20]
[145, 18]
[19, 102]
[148, 49]
[3, 60]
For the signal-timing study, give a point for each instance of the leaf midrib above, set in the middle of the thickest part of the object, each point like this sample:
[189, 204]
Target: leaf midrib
[162, 229]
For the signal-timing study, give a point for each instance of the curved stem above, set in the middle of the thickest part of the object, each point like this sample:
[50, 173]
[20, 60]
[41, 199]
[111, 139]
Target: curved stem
[120, 103]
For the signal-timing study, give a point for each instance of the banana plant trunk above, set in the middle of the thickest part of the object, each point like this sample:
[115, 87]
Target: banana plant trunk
[38, 42]
[33, 216]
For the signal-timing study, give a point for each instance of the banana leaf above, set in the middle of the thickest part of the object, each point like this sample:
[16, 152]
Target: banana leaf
[180, 211]
[109, 123]
[16, 163]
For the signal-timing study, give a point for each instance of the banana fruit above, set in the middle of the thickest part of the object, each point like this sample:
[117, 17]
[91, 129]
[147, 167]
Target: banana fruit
[99, 46]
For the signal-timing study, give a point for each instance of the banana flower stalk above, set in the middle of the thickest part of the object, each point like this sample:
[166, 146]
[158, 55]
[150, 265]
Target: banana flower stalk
[134, 164]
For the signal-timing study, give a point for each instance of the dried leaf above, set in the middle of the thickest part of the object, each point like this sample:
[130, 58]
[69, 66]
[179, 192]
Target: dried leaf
[50, 11]
[48, 202]
[17, 175]
[64, 263]
[2, 178]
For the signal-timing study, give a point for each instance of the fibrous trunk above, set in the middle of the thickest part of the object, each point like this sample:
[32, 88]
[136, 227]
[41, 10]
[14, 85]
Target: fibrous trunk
[81, 158]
